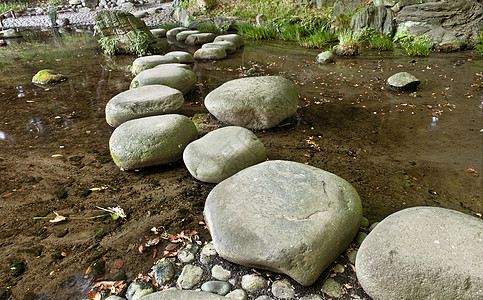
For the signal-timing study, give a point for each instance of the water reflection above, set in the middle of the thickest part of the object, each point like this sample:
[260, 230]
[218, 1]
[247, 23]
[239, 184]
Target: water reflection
[35, 126]
[434, 121]
[20, 91]
[3, 136]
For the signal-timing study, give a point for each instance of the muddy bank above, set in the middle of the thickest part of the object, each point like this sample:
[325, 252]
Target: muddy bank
[397, 149]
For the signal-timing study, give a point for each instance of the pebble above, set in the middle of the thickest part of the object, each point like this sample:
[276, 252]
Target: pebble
[360, 238]
[312, 297]
[373, 225]
[253, 282]
[365, 222]
[237, 294]
[187, 253]
[216, 287]
[331, 288]
[352, 256]
[164, 271]
[264, 297]
[338, 268]
[138, 288]
[190, 276]
[283, 289]
[219, 273]
[207, 253]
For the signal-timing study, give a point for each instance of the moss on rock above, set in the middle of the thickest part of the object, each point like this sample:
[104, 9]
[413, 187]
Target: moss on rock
[48, 76]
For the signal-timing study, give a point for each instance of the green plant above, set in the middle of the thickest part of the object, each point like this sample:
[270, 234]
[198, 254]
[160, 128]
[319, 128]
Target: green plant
[139, 43]
[108, 46]
[376, 40]
[256, 32]
[420, 45]
[319, 38]
[349, 43]
[479, 44]
[169, 25]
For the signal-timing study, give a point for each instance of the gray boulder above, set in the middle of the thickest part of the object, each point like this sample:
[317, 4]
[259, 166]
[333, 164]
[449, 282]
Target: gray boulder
[182, 56]
[423, 253]
[200, 38]
[175, 77]
[234, 38]
[184, 34]
[229, 47]
[151, 141]
[379, 18]
[145, 101]
[159, 32]
[174, 31]
[172, 294]
[210, 54]
[222, 153]
[403, 81]
[253, 102]
[296, 218]
[325, 57]
[148, 62]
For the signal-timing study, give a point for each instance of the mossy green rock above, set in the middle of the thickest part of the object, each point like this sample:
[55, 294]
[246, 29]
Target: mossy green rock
[254, 102]
[148, 62]
[47, 76]
[151, 141]
[172, 76]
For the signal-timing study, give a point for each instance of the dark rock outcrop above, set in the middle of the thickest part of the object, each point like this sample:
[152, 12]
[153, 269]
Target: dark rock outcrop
[379, 18]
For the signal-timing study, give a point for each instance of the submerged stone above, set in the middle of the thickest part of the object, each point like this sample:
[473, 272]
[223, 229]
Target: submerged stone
[48, 76]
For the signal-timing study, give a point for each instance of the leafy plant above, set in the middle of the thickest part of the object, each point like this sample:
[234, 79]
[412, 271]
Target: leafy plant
[169, 25]
[108, 46]
[349, 43]
[479, 44]
[414, 45]
[319, 38]
[139, 43]
[256, 32]
[376, 40]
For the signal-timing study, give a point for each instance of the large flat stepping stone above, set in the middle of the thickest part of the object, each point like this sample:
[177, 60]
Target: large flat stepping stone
[151, 141]
[283, 216]
[144, 101]
[229, 47]
[182, 56]
[147, 62]
[184, 34]
[175, 294]
[210, 54]
[234, 38]
[423, 253]
[159, 32]
[403, 81]
[254, 102]
[222, 153]
[174, 77]
[200, 38]
[174, 31]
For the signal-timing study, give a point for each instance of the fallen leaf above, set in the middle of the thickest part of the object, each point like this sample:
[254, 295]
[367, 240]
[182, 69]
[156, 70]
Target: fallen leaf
[57, 219]
[469, 170]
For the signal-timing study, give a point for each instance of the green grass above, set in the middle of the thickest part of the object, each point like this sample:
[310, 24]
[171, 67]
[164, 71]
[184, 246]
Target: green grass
[257, 32]
[319, 39]
[376, 40]
[170, 25]
[349, 43]
[479, 44]
[414, 45]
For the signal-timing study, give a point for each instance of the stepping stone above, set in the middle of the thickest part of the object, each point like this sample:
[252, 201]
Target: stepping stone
[172, 294]
[229, 47]
[151, 141]
[199, 39]
[182, 56]
[254, 102]
[174, 31]
[210, 54]
[222, 153]
[184, 34]
[178, 78]
[423, 253]
[234, 38]
[144, 101]
[326, 57]
[403, 81]
[296, 219]
[177, 65]
[148, 62]
[159, 32]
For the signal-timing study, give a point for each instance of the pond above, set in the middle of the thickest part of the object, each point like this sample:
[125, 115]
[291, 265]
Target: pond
[398, 149]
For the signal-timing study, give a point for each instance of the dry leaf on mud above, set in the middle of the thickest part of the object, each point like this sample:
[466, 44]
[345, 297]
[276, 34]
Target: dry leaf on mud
[469, 170]
[58, 218]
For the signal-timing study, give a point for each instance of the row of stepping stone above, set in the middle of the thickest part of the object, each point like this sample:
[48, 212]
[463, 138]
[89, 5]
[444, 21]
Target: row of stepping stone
[212, 47]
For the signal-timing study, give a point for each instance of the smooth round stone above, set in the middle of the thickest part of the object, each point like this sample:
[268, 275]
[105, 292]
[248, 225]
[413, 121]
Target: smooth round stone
[175, 77]
[312, 297]
[184, 34]
[208, 252]
[229, 47]
[253, 283]
[174, 31]
[175, 294]
[159, 32]
[282, 289]
[147, 62]
[216, 287]
[222, 153]
[187, 253]
[365, 222]
[114, 297]
[138, 288]
[325, 57]
[200, 38]
[403, 81]
[209, 54]
[264, 297]
[151, 141]
[220, 273]
[373, 225]
[164, 271]
[177, 65]
[360, 238]
[423, 253]
[296, 219]
[332, 288]
[234, 38]
[182, 56]
[190, 276]
[237, 294]
[144, 101]
[254, 102]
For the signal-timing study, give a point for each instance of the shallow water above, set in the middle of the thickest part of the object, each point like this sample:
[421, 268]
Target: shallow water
[398, 149]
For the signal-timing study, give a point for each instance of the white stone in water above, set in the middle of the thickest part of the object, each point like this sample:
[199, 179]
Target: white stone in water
[234, 38]
[147, 62]
[423, 253]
